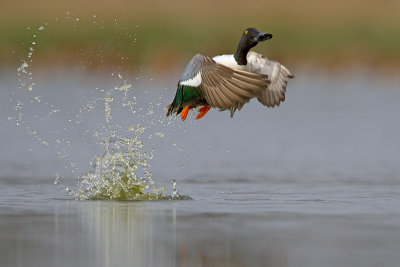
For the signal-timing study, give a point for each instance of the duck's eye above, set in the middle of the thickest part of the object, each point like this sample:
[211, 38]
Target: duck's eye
[246, 31]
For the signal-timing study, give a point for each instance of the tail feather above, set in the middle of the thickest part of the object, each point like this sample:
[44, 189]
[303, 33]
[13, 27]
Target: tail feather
[172, 108]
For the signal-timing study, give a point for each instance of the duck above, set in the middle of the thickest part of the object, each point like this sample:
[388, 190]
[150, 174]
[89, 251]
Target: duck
[229, 81]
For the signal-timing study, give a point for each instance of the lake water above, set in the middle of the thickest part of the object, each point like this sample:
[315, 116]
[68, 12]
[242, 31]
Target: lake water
[315, 182]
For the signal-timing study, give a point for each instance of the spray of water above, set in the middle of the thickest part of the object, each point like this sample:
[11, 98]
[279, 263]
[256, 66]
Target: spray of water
[115, 174]
[122, 171]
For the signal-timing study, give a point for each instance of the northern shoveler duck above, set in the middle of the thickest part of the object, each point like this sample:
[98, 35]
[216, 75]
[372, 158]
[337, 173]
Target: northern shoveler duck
[228, 82]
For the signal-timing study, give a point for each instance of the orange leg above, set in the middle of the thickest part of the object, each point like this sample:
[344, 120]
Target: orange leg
[184, 113]
[202, 112]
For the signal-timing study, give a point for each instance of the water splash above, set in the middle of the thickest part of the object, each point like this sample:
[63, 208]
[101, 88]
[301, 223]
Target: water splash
[123, 170]
[107, 108]
[115, 175]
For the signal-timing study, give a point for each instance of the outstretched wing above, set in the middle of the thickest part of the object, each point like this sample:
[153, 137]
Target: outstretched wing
[275, 92]
[278, 74]
[227, 88]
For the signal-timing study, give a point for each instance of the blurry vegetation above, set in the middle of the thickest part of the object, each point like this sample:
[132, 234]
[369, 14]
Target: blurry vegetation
[164, 34]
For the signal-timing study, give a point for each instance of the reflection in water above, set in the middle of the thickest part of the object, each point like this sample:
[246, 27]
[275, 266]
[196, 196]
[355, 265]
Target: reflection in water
[122, 233]
[287, 229]
[108, 233]
[144, 234]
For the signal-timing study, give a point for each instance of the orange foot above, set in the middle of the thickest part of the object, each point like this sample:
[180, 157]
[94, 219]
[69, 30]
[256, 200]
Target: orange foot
[184, 113]
[202, 112]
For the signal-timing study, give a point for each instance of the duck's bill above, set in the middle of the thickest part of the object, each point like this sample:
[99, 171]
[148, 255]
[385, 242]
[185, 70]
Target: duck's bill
[262, 36]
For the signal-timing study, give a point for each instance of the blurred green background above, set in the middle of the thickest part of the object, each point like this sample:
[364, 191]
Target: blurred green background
[165, 34]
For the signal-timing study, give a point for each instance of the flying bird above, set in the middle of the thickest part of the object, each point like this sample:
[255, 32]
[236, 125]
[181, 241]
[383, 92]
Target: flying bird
[227, 82]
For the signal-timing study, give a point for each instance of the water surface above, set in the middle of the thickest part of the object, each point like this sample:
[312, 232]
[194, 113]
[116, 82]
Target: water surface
[315, 182]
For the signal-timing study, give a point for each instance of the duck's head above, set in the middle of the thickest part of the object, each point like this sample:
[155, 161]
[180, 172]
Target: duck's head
[250, 38]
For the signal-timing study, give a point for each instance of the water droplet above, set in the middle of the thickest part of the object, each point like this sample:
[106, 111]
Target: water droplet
[22, 67]
[57, 179]
[107, 108]
[174, 193]
[125, 87]
[159, 134]
[150, 111]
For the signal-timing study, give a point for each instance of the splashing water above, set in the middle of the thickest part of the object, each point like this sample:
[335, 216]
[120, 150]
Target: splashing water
[115, 174]
[122, 172]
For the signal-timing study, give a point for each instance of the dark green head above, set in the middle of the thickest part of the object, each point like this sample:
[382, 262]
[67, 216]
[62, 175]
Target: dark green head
[250, 38]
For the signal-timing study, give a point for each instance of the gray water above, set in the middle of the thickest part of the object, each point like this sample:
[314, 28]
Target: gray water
[315, 182]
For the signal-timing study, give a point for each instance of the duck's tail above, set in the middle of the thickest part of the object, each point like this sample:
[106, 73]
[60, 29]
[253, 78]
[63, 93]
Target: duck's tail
[172, 108]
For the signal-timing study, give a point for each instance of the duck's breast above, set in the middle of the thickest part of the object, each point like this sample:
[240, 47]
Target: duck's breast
[230, 62]
[256, 63]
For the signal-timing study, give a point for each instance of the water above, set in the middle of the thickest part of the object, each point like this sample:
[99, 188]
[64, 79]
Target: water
[315, 182]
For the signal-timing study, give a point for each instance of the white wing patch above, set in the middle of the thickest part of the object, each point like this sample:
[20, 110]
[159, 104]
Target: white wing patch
[194, 82]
